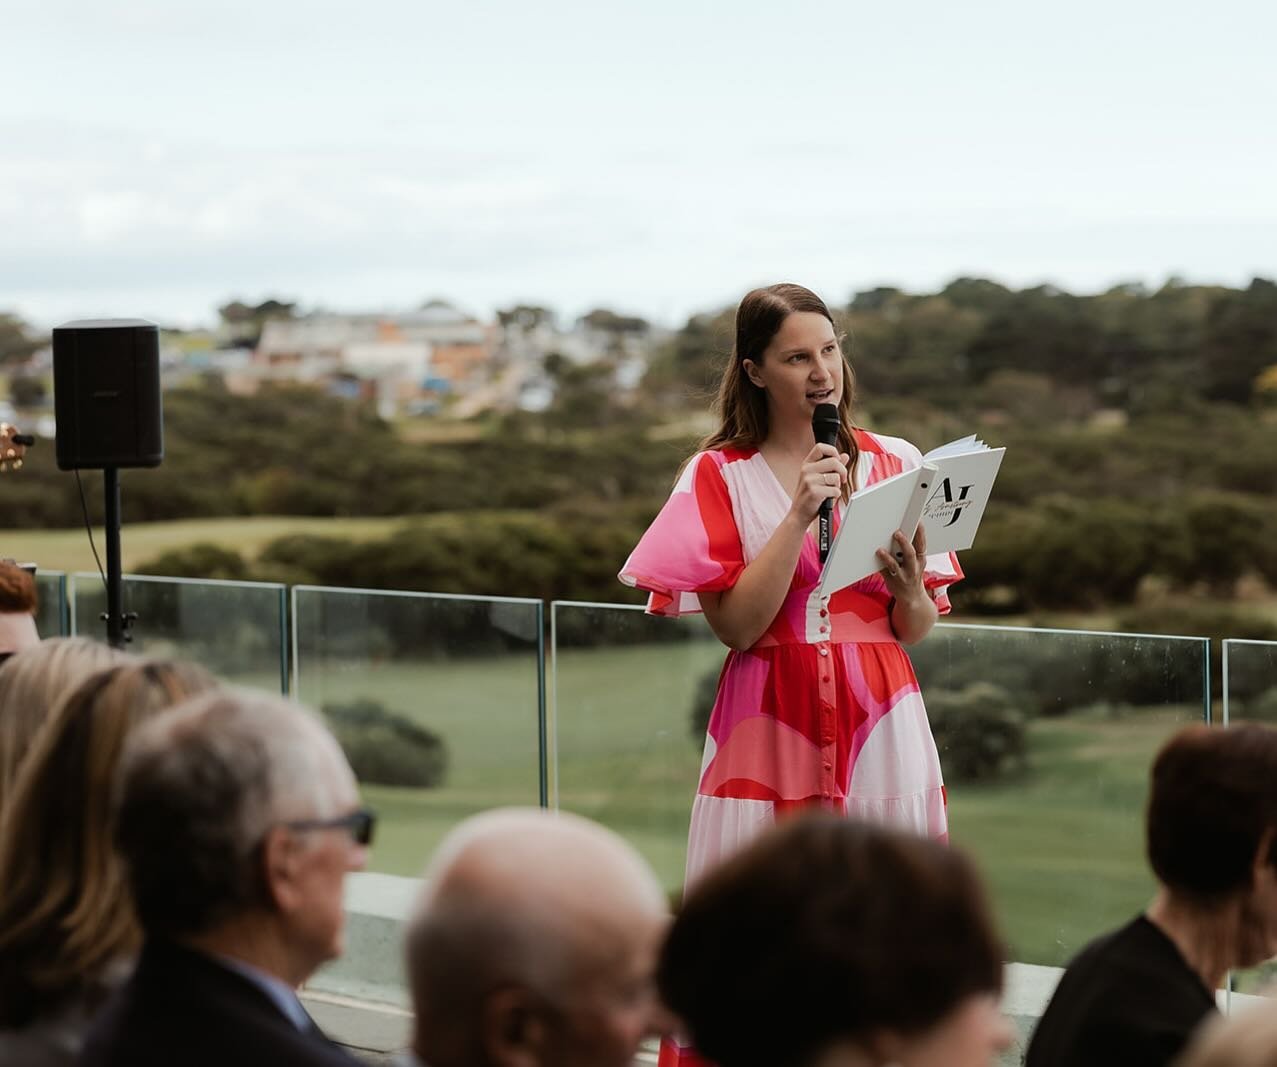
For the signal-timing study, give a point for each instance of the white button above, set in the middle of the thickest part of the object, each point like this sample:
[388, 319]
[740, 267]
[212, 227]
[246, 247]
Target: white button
[824, 651]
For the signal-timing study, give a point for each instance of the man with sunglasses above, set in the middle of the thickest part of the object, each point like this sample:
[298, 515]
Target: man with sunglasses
[239, 818]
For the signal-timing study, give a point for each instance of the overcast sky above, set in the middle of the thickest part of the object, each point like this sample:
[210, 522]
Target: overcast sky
[159, 158]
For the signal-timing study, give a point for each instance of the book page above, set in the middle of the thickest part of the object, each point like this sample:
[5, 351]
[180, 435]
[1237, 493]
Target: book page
[871, 516]
[955, 504]
[947, 494]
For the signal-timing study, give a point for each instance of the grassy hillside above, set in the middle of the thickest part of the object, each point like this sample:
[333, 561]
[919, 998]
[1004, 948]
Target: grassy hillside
[68, 550]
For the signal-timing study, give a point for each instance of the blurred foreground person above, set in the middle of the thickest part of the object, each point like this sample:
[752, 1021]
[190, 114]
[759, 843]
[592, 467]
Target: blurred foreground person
[1135, 996]
[238, 821]
[834, 943]
[534, 945]
[67, 932]
[32, 683]
[1248, 1039]
[17, 610]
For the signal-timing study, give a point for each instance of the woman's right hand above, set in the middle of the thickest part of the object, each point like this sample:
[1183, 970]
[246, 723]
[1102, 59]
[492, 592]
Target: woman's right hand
[823, 475]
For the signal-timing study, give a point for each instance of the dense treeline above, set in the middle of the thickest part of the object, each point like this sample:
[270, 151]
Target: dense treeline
[1140, 430]
[293, 451]
[1130, 348]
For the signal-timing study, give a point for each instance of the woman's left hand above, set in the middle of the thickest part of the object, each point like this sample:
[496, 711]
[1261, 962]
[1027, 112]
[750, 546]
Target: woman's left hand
[903, 571]
[913, 612]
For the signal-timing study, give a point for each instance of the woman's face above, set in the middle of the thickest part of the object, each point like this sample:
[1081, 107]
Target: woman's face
[802, 367]
[1256, 939]
[971, 1035]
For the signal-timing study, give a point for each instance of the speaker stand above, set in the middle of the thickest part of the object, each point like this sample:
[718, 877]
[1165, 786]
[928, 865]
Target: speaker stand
[118, 624]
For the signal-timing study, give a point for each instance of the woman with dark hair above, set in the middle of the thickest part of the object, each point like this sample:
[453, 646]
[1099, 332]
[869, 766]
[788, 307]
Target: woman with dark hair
[834, 943]
[817, 703]
[1137, 994]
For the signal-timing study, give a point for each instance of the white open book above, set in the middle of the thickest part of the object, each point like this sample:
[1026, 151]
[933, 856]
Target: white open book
[947, 494]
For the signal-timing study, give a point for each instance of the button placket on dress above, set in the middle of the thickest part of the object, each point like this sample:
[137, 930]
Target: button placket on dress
[828, 705]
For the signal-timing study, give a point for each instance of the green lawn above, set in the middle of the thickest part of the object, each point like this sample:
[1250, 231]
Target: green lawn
[1061, 845]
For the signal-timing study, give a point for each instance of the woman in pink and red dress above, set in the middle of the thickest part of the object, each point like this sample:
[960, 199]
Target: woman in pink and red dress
[817, 702]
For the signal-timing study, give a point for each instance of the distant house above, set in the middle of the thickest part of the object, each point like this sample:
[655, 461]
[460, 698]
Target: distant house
[529, 334]
[406, 358]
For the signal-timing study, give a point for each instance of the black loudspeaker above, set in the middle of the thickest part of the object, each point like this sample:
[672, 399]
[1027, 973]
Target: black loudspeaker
[106, 394]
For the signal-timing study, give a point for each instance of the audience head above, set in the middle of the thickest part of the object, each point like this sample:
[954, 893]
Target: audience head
[17, 610]
[64, 914]
[238, 819]
[1248, 1039]
[832, 942]
[534, 944]
[31, 684]
[1212, 831]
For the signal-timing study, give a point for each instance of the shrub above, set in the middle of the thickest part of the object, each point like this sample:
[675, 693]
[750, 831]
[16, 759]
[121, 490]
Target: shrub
[204, 559]
[385, 748]
[980, 734]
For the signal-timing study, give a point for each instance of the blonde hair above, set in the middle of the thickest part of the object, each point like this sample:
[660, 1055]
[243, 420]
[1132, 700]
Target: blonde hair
[31, 685]
[65, 913]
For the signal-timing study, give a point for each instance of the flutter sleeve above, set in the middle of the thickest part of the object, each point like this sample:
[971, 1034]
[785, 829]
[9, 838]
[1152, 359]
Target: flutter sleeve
[693, 545]
[940, 572]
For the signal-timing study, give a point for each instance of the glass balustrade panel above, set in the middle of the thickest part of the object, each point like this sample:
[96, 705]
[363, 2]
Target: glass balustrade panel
[51, 617]
[632, 694]
[235, 629]
[1249, 671]
[438, 701]
[1045, 738]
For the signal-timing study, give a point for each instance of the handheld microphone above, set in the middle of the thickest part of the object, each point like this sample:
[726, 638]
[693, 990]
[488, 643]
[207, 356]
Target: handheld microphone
[825, 425]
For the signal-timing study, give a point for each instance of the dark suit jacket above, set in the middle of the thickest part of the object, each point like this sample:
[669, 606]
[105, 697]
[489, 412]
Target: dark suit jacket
[183, 1009]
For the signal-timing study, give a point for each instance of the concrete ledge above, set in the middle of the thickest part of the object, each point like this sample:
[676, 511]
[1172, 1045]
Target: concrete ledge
[361, 1025]
[371, 968]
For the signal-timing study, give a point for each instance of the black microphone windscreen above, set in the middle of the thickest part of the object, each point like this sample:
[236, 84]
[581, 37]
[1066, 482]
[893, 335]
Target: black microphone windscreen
[825, 424]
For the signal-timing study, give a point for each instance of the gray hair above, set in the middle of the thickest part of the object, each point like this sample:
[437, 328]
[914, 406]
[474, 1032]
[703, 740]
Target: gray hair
[200, 789]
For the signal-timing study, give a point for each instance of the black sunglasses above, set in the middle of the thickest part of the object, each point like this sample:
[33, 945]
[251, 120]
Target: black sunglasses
[359, 824]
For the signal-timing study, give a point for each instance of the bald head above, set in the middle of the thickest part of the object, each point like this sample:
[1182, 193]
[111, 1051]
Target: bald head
[547, 904]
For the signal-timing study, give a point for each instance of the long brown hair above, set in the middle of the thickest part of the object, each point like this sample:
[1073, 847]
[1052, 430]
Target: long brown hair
[31, 684]
[65, 914]
[741, 406]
